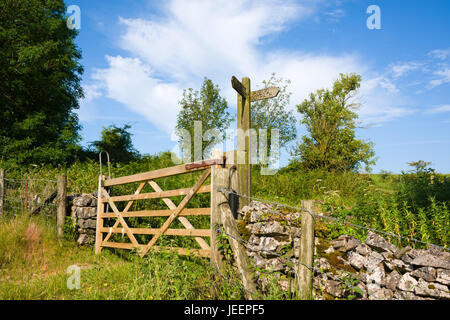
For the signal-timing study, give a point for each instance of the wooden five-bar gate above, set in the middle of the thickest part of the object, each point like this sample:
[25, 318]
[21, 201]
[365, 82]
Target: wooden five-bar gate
[174, 212]
[225, 174]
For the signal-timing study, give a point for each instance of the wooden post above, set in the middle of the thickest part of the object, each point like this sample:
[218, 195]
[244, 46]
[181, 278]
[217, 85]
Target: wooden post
[217, 181]
[62, 204]
[2, 191]
[100, 211]
[243, 156]
[305, 275]
[26, 195]
[229, 224]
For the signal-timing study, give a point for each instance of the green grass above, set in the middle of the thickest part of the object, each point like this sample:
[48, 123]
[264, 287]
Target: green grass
[34, 265]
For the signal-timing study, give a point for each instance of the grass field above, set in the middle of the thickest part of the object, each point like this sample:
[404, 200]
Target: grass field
[33, 264]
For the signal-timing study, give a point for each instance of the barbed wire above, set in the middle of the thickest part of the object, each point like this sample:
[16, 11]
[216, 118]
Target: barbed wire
[23, 195]
[30, 179]
[346, 223]
[292, 263]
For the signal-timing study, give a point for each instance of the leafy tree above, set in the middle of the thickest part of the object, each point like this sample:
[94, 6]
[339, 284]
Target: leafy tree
[329, 118]
[272, 114]
[421, 166]
[39, 83]
[207, 107]
[117, 142]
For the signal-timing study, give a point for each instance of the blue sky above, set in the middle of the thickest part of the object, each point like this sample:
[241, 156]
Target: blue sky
[140, 55]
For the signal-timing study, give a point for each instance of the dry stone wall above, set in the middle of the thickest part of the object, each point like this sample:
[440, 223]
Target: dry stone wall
[344, 267]
[84, 214]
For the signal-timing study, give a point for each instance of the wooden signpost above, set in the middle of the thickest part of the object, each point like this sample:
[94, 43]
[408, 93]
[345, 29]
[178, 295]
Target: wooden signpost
[245, 97]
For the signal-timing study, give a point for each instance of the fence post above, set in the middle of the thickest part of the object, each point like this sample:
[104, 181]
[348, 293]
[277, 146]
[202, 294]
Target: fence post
[217, 180]
[26, 195]
[305, 275]
[229, 224]
[2, 191]
[62, 204]
[243, 142]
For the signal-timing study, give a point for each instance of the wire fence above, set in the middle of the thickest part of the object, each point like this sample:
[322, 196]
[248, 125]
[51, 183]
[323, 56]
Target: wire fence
[335, 220]
[29, 196]
[292, 263]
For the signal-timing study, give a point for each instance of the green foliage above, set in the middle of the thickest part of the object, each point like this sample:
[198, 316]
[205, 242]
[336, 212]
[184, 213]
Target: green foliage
[117, 142]
[418, 186]
[299, 184]
[70, 229]
[40, 79]
[272, 114]
[418, 209]
[330, 120]
[208, 107]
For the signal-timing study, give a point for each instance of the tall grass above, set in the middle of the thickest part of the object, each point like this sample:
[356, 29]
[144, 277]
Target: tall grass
[34, 265]
[418, 208]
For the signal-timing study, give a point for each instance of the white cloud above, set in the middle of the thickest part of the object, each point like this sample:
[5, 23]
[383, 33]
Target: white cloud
[441, 109]
[194, 40]
[131, 82]
[440, 53]
[380, 102]
[335, 15]
[400, 69]
[444, 77]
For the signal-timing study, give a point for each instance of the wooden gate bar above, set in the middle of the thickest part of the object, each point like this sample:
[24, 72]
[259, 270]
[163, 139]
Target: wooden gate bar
[180, 251]
[177, 211]
[128, 206]
[160, 213]
[122, 221]
[160, 173]
[185, 222]
[158, 195]
[169, 232]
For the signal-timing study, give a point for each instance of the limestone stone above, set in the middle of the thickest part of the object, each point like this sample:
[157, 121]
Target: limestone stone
[391, 280]
[426, 273]
[85, 200]
[407, 283]
[401, 251]
[85, 239]
[87, 223]
[86, 212]
[443, 276]
[429, 260]
[272, 228]
[376, 241]
[334, 288]
[363, 249]
[275, 265]
[426, 289]
[381, 294]
[373, 259]
[406, 295]
[356, 260]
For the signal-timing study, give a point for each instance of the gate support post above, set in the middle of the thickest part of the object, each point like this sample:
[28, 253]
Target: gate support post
[217, 181]
[305, 274]
[229, 224]
[100, 211]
